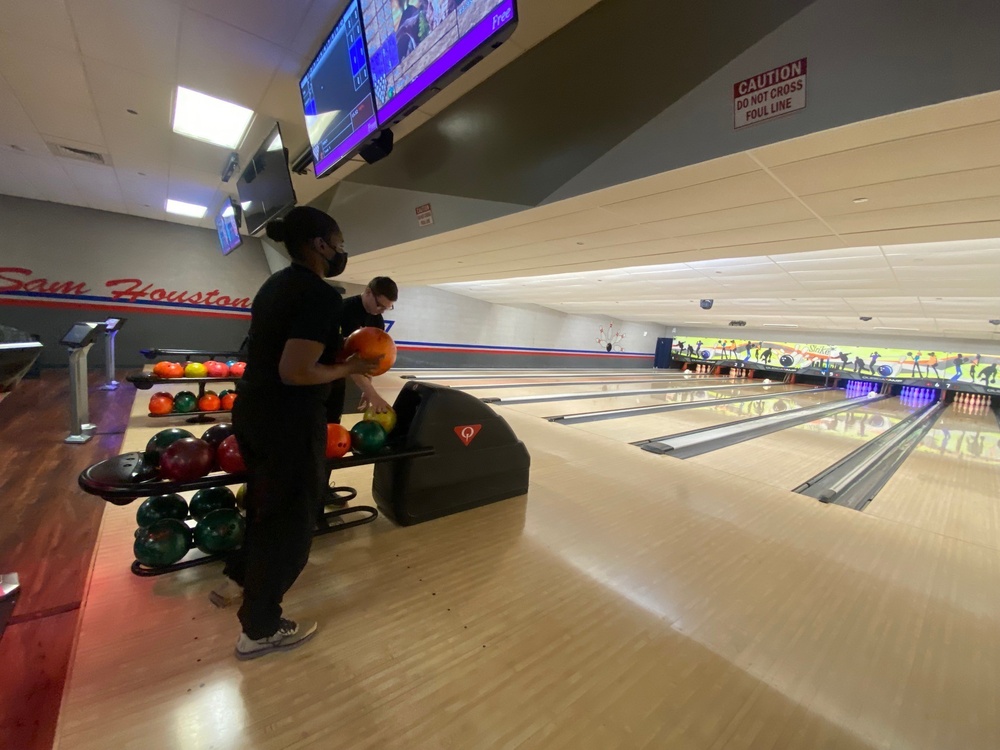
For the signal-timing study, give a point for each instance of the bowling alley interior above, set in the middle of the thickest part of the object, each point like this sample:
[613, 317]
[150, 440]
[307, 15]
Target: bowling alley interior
[686, 322]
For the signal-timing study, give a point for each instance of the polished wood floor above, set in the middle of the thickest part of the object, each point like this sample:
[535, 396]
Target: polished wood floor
[47, 537]
[629, 601]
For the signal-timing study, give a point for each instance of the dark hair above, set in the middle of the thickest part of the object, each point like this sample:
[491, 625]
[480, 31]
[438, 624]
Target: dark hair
[301, 224]
[383, 285]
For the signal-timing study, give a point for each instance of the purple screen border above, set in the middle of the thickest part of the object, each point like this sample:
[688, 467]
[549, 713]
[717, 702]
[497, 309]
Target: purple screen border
[346, 146]
[475, 37]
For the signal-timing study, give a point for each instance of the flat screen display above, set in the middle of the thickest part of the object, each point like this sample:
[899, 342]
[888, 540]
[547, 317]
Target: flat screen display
[413, 44]
[337, 94]
[227, 225]
[265, 187]
[79, 334]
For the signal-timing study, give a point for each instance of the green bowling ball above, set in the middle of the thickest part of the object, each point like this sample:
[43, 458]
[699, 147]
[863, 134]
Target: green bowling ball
[209, 499]
[185, 402]
[367, 438]
[161, 506]
[220, 531]
[162, 543]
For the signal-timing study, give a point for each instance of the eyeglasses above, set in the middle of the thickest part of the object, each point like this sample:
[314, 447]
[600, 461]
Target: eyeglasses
[380, 305]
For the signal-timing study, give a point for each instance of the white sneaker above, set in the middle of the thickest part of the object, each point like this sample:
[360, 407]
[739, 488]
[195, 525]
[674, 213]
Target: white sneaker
[289, 635]
[226, 594]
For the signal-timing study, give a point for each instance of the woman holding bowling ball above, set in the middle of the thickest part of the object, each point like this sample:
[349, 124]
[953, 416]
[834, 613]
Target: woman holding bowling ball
[280, 424]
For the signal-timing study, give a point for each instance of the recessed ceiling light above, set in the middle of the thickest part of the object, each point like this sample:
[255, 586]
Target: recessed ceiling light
[208, 119]
[185, 209]
[860, 200]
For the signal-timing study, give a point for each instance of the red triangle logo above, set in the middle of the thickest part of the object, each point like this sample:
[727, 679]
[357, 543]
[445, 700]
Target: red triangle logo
[467, 433]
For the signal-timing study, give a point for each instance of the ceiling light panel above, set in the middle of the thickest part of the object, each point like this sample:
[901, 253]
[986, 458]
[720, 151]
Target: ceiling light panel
[208, 119]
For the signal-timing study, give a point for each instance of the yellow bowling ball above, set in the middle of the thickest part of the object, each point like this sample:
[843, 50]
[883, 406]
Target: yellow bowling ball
[387, 419]
[195, 370]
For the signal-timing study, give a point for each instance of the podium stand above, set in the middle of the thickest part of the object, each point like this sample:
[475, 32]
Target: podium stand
[111, 328]
[78, 341]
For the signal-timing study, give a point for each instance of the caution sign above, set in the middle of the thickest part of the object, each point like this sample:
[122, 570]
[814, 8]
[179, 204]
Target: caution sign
[774, 93]
[467, 433]
[425, 215]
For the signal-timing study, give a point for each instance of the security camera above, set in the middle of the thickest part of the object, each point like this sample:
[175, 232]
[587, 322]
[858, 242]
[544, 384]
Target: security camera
[706, 304]
[232, 163]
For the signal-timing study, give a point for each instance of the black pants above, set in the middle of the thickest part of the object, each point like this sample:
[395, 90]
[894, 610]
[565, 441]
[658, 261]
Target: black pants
[283, 449]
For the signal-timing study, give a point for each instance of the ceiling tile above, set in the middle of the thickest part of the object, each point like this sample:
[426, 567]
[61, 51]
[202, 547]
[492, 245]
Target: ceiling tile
[730, 192]
[279, 23]
[222, 61]
[138, 35]
[51, 86]
[44, 22]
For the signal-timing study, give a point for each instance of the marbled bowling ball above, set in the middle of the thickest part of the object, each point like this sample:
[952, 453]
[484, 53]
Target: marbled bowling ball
[186, 460]
[164, 439]
[161, 506]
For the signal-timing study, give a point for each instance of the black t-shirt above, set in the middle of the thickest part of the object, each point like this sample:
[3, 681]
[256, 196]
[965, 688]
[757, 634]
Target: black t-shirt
[293, 303]
[354, 316]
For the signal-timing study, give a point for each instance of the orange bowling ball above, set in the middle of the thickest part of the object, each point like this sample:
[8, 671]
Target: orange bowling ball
[338, 440]
[372, 343]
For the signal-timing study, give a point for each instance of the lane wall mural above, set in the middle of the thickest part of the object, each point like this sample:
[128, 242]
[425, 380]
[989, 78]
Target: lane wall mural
[965, 370]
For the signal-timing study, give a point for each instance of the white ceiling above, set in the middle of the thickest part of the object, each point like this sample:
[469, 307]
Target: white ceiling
[70, 70]
[773, 235]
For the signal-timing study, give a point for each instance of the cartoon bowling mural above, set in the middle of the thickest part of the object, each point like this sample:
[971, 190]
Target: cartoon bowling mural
[954, 370]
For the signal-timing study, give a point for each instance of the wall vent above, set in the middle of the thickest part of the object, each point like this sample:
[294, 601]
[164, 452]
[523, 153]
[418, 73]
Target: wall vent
[80, 154]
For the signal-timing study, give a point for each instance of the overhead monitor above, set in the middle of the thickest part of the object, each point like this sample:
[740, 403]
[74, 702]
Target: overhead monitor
[113, 324]
[265, 187]
[337, 94]
[227, 224]
[416, 47]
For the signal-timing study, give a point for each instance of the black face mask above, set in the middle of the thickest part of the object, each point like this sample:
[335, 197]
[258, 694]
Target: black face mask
[335, 265]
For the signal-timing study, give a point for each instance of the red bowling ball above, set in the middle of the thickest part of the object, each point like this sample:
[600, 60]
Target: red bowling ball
[186, 459]
[229, 456]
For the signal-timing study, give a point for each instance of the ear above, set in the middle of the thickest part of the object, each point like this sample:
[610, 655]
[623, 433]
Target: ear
[317, 244]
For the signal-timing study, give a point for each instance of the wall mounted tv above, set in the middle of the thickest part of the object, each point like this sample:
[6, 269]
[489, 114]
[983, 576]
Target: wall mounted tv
[227, 224]
[337, 94]
[265, 187]
[416, 47]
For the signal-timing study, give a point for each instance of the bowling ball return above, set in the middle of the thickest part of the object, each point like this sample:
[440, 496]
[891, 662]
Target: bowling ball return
[450, 452]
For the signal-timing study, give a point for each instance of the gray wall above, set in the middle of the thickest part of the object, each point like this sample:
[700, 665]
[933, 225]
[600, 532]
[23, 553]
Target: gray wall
[373, 217]
[866, 59]
[91, 248]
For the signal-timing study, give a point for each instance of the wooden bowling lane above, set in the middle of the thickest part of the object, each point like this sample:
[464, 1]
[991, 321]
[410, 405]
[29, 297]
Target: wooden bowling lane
[486, 374]
[630, 429]
[554, 389]
[688, 394]
[950, 484]
[611, 608]
[789, 457]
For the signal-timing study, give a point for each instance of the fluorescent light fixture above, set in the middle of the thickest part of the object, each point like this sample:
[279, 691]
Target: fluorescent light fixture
[208, 119]
[185, 209]
[781, 325]
[889, 328]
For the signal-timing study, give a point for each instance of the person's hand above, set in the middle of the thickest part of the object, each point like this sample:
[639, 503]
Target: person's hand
[356, 365]
[375, 402]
